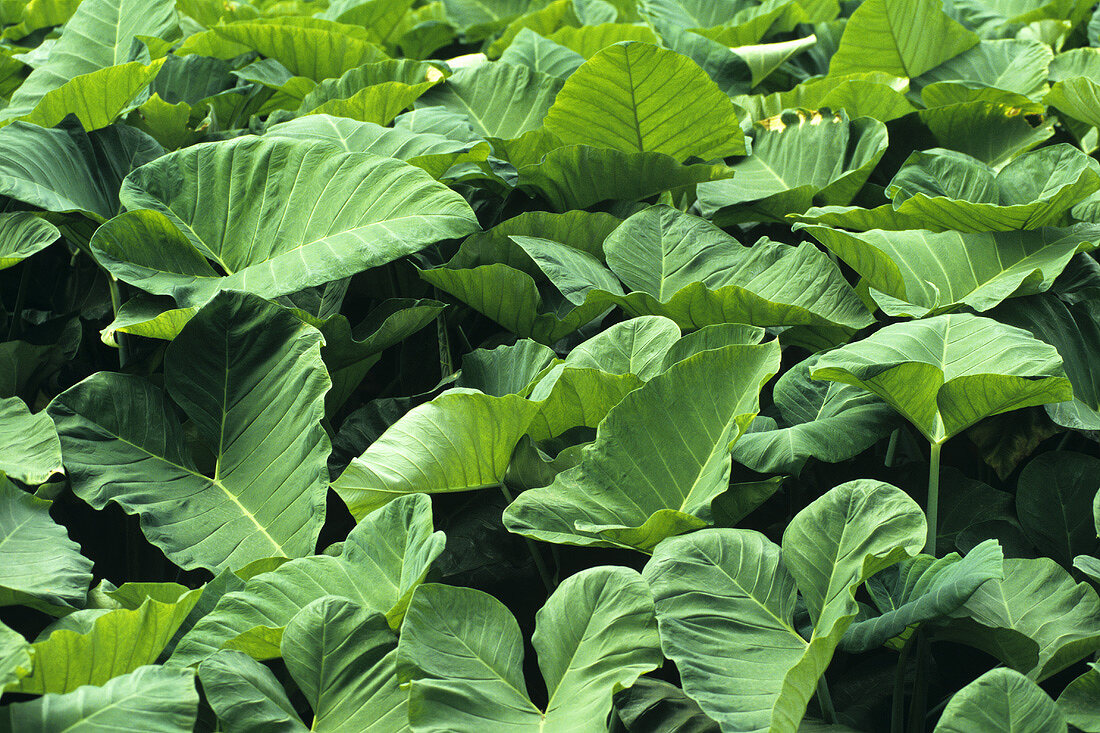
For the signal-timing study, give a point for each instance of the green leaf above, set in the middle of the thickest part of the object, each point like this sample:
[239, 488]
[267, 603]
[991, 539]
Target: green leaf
[946, 373]
[540, 54]
[660, 707]
[1072, 329]
[506, 369]
[384, 559]
[686, 269]
[344, 660]
[256, 404]
[460, 441]
[636, 346]
[779, 178]
[32, 453]
[1078, 702]
[828, 421]
[922, 589]
[21, 235]
[288, 225]
[1037, 620]
[246, 696]
[943, 190]
[992, 131]
[638, 98]
[67, 169]
[163, 699]
[101, 34]
[917, 272]
[1008, 64]
[726, 601]
[40, 562]
[1001, 701]
[115, 643]
[871, 94]
[1054, 500]
[97, 98]
[901, 37]
[311, 47]
[15, 656]
[461, 649]
[496, 99]
[660, 456]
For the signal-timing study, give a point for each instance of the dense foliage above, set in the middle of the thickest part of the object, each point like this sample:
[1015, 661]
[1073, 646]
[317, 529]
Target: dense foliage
[648, 366]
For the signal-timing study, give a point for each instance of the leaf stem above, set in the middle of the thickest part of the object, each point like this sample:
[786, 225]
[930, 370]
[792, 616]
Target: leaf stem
[919, 705]
[544, 572]
[825, 701]
[116, 304]
[892, 447]
[897, 705]
[933, 498]
[16, 324]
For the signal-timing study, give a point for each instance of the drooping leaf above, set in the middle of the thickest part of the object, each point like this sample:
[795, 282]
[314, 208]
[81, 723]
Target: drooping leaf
[462, 651]
[1036, 620]
[256, 402]
[21, 235]
[32, 452]
[39, 561]
[100, 35]
[15, 656]
[922, 589]
[828, 421]
[1001, 701]
[1080, 701]
[246, 696]
[460, 441]
[343, 658]
[288, 224]
[153, 698]
[946, 373]
[67, 169]
[726, 600]
[660, 456]
[658, 706]
[918, 272]
[384, 559]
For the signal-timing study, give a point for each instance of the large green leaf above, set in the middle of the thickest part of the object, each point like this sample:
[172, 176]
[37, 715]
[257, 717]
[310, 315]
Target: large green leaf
[1054, 499]
[824, 420]
[68, 169]
[98, 98]
[287, 224]
[1080, 701]
[781, 178]
[917, 272]
[1001, 701]
[460, 441]
[15, 656]
[660, 457]
[310, 47]
[343, 658]
[21, 235]
[462, 651]
[1073, 329]
[943, 190]
[871, 94]
[38, 561]
[899, 37]
[922, 589]
[101, 34]
[726, 601]
[1036, 620]
[163, 699]
[114, 643]
[1008, 64]
[497, 99]
[249, 375]
[32, 452]
[636, 97]
[383, 560]
[946, 373]
[685, 268]
[246, 696]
